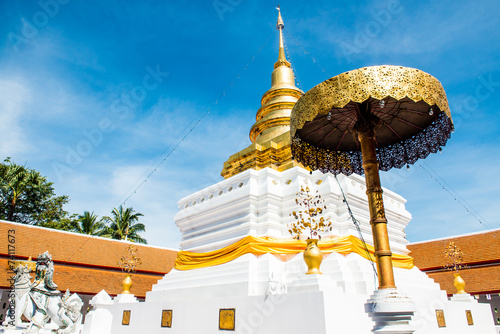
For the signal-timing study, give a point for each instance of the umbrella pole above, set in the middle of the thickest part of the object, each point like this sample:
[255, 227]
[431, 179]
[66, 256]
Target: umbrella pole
[378, 221]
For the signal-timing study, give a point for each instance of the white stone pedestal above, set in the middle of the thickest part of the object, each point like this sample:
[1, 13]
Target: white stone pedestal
[99, 320]
[391, 311]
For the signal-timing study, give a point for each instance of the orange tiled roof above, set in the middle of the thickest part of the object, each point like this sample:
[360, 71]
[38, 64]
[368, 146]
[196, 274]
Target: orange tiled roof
[84, 264]
[481, 254]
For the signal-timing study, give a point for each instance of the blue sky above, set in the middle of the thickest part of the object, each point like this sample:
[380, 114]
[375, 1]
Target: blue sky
[95, 94]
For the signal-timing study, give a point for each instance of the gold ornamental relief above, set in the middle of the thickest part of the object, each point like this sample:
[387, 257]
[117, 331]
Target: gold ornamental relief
[376, 82]
[440, 318]
[166, 318]
[470, 320]
[377, 204]
[227, 319]
[282, 62]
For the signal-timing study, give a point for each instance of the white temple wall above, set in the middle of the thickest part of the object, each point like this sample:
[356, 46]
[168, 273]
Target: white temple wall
[259, 203]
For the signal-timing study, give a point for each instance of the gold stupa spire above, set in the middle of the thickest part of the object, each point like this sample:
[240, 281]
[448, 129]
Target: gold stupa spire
[270, 135]
[280, 25]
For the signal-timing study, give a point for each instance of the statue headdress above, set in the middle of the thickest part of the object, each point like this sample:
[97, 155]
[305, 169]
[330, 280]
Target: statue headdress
[45, 267]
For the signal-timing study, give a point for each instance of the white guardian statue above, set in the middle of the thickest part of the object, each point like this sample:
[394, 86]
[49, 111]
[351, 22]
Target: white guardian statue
[40, 300]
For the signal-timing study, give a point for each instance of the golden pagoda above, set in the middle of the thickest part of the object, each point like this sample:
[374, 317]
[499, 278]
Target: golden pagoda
[270, 135]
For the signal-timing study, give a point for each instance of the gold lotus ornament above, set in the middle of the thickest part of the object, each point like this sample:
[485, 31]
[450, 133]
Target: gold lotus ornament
[455, 262]
[129, 263]
[310, 221]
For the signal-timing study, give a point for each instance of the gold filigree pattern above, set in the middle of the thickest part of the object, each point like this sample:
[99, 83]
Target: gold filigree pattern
[359, 85]
[130, 260]
[430, 140]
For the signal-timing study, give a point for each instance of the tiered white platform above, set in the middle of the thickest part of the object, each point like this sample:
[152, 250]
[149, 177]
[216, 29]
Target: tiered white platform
[274, 296]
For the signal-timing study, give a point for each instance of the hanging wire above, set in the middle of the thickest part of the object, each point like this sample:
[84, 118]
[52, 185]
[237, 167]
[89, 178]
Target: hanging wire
[358, 228]
[456, 196]
[296, 73]
[176, 142]
[307, 53]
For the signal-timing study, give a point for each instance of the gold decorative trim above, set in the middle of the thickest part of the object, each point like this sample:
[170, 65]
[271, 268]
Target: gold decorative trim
[376, 198]
[280, 106]
[166, 318]
[227, 319]
[393, 156]
[272, 93]
[282, 62]
[359, 85]
[126, 317]
[275, 154]
[440, 318]
[261, 126]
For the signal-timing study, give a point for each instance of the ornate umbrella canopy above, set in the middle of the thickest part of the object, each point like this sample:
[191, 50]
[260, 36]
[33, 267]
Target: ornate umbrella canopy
[406, 109]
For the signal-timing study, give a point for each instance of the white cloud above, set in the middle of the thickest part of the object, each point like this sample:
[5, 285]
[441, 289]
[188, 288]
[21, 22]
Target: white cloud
[14, 97]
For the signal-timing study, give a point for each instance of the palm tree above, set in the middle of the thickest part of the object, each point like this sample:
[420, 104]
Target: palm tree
[18, 183]
[89, 223]
[123, 225]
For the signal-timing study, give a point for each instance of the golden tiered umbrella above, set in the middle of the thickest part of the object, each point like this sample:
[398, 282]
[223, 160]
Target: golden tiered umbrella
[366, 119]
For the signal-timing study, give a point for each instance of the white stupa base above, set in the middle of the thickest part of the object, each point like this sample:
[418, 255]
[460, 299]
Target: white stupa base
[270, 296]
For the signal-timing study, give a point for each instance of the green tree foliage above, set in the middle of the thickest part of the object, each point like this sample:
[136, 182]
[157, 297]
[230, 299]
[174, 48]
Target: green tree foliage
[27, 197]
[89, 223]
[123, 225]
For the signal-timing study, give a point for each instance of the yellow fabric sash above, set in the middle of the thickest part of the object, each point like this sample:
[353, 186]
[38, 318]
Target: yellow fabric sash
[262, 245]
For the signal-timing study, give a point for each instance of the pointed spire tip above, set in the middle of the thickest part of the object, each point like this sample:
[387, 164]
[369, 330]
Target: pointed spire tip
[280, 24]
